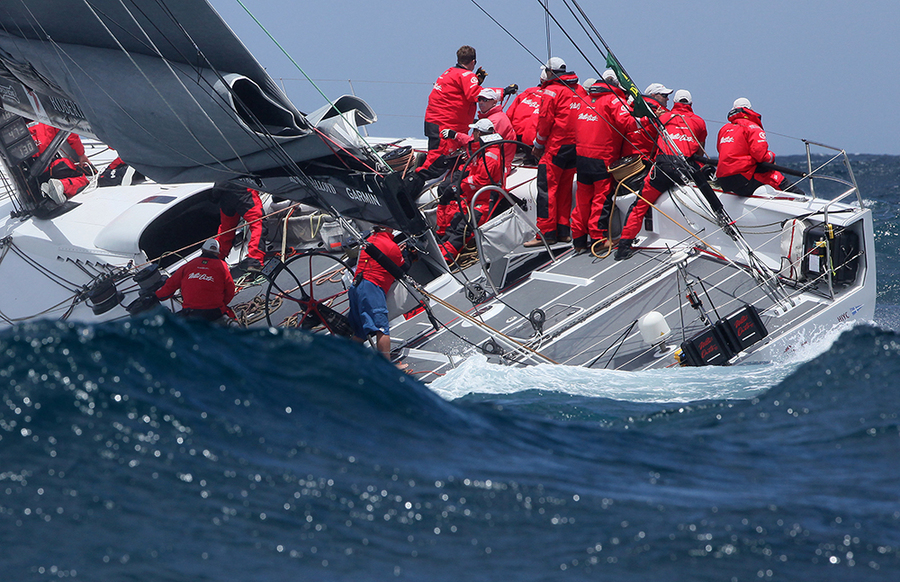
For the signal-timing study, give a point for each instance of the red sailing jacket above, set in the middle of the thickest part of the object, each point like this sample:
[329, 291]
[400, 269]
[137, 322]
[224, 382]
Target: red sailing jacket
[602, 123]
[44, 134]
[503, 126]
[483, 171]
[523, 113]
[685, 128]
[453, 99]
[205, 283]
[561, 103]
[742, 144]
[370, 270]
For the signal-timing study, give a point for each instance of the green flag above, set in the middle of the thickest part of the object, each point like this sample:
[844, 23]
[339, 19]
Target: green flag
[641, 109]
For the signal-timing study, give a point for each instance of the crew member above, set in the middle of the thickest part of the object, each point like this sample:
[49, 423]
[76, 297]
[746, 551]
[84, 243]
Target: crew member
[523, 115]
[236, 202]
[643, 134]
[684, 135]
[554, 146]
[489, 107]
[62, 179]
[742, 145]
[485, 170]
[452, 101]
[599, 132]
[368, 313]
[206, 285]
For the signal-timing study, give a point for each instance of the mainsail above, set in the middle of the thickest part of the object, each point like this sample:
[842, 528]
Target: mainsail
[172, 89]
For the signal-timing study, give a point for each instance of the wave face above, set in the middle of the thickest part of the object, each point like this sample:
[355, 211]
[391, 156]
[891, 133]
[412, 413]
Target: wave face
[161, 449]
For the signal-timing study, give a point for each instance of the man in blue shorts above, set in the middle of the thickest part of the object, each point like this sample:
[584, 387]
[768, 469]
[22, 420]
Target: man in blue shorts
[368, 304]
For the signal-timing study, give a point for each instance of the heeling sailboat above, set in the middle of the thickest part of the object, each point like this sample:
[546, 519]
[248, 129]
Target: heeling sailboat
[178, 96]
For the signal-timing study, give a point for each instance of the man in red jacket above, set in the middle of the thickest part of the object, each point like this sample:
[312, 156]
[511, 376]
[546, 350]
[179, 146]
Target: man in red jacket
[554, 146]
[62, 179]
[368, 313]
[237, 202]
[599, 132]
[206, 285]
[742, 144]
[684, 136]
[451, 104]
[523, 115]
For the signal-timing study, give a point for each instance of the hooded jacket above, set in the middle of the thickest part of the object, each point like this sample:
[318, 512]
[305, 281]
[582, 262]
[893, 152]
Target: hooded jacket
[742, 144]
[560, 105]
[205, 283]
[602, 123]
[523, 113]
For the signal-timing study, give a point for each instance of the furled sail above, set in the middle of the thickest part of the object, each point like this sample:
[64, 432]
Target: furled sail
[172, 89]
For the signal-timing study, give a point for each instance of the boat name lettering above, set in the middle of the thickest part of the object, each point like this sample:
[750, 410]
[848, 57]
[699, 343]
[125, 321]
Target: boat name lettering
[681, 137]
[707, 347]
[588, 117]
[743, 325]
[323, 186]
[727, 139]
[201, 276]
[66, 106]
[844, 316]
[360, 196]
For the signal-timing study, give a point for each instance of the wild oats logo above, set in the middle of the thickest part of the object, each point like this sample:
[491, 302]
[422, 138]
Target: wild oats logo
[727, 139]
[681, 137]
[201, 276]
[588, 117]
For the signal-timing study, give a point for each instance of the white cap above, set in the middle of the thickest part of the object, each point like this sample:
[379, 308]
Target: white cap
[556, 64]
[610, 75]
[683, 96]
[657, 89]
[588, 82]
[489, 94]
[211, 246]
[741, 102]
[483, 125]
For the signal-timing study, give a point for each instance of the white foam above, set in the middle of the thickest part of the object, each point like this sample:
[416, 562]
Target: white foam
[477, 376]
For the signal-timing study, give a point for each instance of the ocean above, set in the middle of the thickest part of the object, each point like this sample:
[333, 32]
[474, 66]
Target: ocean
[161, 449]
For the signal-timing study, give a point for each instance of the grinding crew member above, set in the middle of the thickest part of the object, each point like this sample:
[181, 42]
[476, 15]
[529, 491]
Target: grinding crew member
[206, 285]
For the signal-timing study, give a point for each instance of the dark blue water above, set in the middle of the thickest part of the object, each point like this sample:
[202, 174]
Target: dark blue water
[159, 449]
